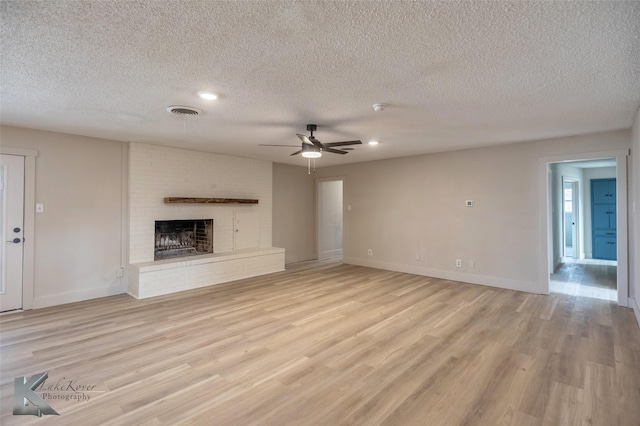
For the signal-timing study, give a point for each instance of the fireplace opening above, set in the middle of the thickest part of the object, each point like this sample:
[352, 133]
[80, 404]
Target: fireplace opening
[176, 238]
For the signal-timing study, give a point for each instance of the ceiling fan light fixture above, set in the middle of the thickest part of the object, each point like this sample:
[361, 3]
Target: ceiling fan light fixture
[311, 154]
[373, 142]
[311, 151]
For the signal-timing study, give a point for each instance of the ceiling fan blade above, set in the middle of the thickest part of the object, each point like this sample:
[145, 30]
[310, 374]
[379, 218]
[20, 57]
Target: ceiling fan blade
[345, 143]
[290, 146]
[296, 153]
[304, 138]
[316, 142]
[335, 151]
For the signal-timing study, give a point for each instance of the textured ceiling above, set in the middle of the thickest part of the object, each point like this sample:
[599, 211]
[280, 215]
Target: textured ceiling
[454, 74]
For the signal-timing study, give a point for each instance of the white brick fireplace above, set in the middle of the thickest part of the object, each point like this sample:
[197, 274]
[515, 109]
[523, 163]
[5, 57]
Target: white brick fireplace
[157, 172]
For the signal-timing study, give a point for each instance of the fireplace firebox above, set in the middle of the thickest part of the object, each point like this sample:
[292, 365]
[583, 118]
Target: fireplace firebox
[176, 238]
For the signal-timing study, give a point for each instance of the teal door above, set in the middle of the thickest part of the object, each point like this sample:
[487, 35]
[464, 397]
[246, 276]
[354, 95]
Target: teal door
[603, 218]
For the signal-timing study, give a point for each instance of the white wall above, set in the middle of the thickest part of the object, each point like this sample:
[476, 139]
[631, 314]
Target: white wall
[294, 214]
[156, 172]
[416, 206]
[78, 238]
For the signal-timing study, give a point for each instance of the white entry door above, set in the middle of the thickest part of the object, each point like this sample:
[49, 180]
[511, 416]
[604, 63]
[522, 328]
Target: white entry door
[11, 232]
[246, 230]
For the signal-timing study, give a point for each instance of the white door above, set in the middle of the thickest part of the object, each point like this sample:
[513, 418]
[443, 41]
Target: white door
[247, 230]
[11, 232]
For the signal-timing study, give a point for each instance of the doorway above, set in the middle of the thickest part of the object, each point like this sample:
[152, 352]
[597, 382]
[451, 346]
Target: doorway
[11, 231]
[581, 271]
[330, 218]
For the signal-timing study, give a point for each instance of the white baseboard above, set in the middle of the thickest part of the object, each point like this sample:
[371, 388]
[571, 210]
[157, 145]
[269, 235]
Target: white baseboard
[530, 287]
[636, 309]
[296, 259]
[76, 296]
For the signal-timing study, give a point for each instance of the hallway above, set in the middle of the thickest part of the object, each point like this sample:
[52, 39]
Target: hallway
[587, 278]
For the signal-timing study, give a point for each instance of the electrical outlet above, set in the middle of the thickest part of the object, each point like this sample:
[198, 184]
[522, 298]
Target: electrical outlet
[370, 252]
[458, 263]
[120, 273]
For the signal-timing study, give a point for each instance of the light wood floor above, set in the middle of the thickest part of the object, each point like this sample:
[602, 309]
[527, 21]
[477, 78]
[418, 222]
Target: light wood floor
[332, 345]
[586, 278]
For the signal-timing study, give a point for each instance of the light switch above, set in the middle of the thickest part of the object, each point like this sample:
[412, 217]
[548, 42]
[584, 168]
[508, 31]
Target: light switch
[469, 203]
[39, 208]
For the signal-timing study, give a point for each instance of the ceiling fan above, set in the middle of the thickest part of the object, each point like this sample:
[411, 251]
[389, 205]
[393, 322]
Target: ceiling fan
[313, 148]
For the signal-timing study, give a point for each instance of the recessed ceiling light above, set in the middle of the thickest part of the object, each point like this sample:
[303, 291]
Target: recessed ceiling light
[373, 142]
[209, 96]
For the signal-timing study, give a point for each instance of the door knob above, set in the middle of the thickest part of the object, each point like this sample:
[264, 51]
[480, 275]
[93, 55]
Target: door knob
[15, 240]
[16, 229]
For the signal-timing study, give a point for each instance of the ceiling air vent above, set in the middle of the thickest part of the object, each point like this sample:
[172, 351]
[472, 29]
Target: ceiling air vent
[183, 110]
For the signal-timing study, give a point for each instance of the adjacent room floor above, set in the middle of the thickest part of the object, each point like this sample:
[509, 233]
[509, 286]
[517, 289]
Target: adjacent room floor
[329, 344]
[587, 278]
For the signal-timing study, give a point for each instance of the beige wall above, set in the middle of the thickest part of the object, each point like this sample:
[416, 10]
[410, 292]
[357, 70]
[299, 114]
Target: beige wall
[78, 238]
[411, 208]
[294, 216]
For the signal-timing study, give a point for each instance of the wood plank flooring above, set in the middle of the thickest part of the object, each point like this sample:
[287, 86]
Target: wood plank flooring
[331, 344]
[587, 278]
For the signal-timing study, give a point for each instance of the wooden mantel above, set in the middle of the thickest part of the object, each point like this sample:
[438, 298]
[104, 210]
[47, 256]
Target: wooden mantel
[187, 200]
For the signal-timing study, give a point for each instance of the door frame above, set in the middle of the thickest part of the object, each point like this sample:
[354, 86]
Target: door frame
[28, 263]
[544, 216]
[319, 182]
